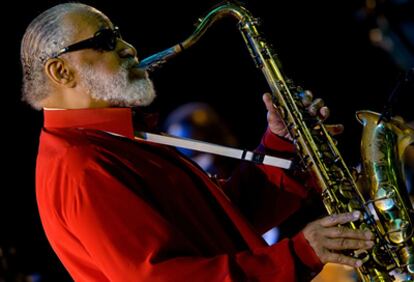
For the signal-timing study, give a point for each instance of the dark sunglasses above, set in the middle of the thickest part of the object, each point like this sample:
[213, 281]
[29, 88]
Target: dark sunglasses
[104, 40]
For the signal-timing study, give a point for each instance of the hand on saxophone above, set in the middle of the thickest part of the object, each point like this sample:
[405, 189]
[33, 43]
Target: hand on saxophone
[327, 238]
[315, 108]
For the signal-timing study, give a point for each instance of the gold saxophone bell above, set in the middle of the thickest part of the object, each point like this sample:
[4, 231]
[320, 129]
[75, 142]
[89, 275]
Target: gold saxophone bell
[383, 146]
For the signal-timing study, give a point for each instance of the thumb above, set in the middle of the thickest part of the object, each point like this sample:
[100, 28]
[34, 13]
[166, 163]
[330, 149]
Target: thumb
[267, 99]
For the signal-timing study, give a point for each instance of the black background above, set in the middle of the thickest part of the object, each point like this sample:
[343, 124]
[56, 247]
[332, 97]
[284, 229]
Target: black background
[321, 44]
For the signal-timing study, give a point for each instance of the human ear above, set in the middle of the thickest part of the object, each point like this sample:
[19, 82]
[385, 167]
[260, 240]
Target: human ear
[60, 73]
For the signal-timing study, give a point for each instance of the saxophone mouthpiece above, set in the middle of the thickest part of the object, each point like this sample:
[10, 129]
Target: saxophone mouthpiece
[157, 60]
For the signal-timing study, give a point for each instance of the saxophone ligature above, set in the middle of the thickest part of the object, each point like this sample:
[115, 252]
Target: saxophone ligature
[316, 149]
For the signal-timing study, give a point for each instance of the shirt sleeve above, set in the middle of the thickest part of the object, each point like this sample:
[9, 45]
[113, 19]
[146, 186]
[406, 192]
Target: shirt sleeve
[130, 241]
[267, 195]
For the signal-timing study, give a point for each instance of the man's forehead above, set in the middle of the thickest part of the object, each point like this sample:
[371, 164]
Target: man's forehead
[86, 24]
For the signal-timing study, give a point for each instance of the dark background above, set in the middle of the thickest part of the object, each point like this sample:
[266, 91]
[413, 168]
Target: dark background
[323, 45]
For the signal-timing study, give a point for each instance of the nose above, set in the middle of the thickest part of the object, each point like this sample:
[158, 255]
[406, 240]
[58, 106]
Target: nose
[125, 49]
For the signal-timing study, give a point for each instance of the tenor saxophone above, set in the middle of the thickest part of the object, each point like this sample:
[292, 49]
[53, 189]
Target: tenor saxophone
[316, 149]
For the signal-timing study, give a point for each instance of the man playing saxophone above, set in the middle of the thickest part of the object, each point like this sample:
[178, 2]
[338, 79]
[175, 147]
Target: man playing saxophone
[117, 209]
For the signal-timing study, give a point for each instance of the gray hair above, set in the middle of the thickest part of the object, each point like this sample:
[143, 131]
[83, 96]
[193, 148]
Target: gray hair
[45, 35]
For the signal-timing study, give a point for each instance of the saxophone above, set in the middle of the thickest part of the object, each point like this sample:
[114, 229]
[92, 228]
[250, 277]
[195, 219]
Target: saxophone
[318, 153]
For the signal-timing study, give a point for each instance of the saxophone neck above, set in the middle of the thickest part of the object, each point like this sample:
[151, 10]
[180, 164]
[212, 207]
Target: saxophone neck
[228, 9]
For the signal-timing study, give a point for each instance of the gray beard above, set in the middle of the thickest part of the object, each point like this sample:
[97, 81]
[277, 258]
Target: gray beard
[118, 90]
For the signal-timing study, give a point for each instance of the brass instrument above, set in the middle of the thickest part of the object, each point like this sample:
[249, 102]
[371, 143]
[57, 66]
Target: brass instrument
[318, 152]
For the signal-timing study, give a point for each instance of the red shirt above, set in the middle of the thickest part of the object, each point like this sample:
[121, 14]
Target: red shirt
[116, 209]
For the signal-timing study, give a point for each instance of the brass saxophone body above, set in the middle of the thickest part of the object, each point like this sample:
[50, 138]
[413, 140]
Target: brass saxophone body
[316, 149]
